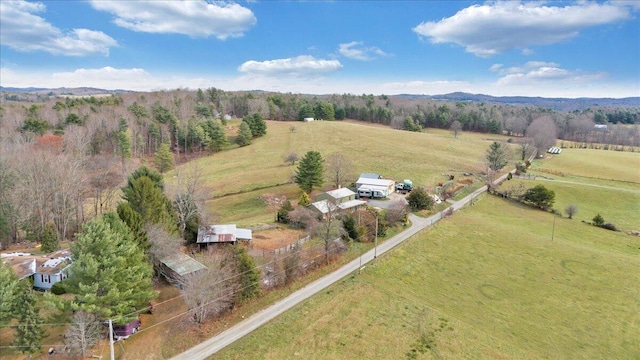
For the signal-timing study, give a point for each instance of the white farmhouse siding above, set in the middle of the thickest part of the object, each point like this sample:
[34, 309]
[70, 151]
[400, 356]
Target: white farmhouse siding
[52, 270]
[385, 186]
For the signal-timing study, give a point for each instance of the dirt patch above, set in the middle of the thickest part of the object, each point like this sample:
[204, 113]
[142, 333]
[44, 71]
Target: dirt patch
[275, 238]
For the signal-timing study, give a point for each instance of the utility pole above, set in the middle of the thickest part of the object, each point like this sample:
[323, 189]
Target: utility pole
[113, 356]
[553, 229]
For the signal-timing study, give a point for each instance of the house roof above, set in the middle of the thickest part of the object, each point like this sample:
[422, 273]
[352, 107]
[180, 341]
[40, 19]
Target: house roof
[25, 264]
[351, 204]
[244, 234]
[222, 233]
[182, 264]
[370, 176]
[53, 263]
[375, 182]
[340, 193]
[324, 206]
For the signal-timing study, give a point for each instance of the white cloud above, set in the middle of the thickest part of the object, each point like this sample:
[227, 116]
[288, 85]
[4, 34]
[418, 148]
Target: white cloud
[301, 66]
[541, 81]
[357, 51]
[497, 27]
[194, 18]
[23, 30]
[535, 73]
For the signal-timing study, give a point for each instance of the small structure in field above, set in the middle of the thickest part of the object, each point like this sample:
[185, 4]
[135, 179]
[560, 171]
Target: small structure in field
[177, 266]
[228, 233]
[308, 119]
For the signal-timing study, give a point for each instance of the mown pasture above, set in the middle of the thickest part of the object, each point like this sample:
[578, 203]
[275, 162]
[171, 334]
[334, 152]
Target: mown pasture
[496, 280]
[489, 282]
[236, 179]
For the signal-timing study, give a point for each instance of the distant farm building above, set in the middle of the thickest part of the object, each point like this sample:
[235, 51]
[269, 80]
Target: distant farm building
[554, 150]
[222, 234]
[308, 119]
[601, 127]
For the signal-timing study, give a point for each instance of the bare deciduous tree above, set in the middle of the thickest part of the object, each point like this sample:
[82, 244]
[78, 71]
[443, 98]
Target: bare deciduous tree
[396, 212]
[455, 128]
[189, 194]
[571, 210]
[211, 292]
[291, 158]
[543, 133]
[338, 169]
[83, 333]
[161, 246]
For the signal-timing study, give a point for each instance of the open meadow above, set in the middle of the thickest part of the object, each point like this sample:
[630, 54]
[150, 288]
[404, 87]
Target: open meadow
[487, 283]
[237, 178]
[496, 280]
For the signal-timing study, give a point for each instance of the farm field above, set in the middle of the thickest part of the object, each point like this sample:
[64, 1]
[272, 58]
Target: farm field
[236, 179]
[487, 283]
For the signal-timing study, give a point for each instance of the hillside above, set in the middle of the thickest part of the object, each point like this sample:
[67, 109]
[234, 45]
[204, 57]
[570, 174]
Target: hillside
[558, 104]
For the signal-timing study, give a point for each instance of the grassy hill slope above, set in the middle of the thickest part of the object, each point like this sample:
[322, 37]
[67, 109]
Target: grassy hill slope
[486, 283]
[422, 157]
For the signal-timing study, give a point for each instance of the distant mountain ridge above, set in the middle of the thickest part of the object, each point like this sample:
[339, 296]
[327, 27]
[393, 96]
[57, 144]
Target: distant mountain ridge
[564, 104]
[561, 104]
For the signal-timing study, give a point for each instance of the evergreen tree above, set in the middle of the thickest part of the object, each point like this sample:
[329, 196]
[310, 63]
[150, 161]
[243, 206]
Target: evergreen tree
[124, 141]
[151, 174]
[29, 331]
[249, 277]
[9, 291]
[539, 196]
[163, 158]
[497, 156]
[310, 171]
[109, 275]
[256, 124]
[304, 199]
[244, 134]
[135, 223]
[217, 135]
[419, 199]
[49, 239]
[149, 201]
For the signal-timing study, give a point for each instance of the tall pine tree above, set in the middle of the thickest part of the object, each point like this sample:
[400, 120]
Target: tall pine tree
[49, 239]
[29, 332]
[110, 276]
[244, 134]
[310, 171]
[163, 158]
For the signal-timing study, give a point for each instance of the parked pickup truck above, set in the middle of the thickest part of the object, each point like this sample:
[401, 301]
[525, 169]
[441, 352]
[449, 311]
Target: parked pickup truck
[123, 331]
[405, 186]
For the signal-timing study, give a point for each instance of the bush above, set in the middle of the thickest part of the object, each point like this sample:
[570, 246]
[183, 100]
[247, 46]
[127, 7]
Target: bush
[539, 196]
[419, 199]
[598, 220]
[609, 226]
[59, 288]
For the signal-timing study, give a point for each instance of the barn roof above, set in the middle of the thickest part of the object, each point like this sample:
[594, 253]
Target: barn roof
[182, 264]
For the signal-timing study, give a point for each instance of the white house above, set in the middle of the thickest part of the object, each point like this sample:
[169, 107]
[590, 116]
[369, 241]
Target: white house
[51, 270]
[336, 200]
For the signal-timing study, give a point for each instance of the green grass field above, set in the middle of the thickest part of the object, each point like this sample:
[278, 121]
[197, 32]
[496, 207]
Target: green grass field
[486, 283]
[396, 154]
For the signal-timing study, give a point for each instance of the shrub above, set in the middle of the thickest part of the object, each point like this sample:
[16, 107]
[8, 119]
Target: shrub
[609, 226]
[59, 288]
[598, 220]
[419, 200]
[539, 196]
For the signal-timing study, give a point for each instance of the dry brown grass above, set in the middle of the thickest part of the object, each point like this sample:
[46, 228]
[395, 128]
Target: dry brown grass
[275, 238]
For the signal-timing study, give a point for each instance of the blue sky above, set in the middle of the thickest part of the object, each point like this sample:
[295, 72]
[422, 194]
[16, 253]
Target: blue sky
[542, 48]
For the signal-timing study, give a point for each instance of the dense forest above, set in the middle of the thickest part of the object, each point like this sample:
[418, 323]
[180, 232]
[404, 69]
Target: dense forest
[59, 153]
